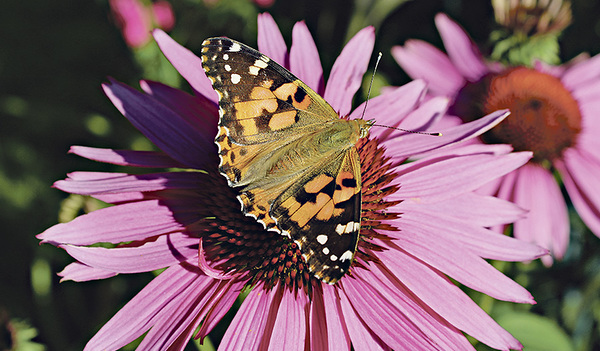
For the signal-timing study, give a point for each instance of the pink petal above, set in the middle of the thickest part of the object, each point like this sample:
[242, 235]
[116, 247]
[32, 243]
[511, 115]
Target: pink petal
[134, 20]
[79, 272]
[129, 222]
[137, 315]
[289, 331]
[348, 70]
[126, 157]
[125, 183]
[400, 321]
[186, 63]
[446, 299]
[445, 178]
[199, 111]
[220, 308]
[409, 144]
[176, 322]
[391, 108]
[166, 129]
[422, 60]
[480, 241]
[582, 72]
[304, 58]
[423, 117]
[460, 263]
[461, 49]
[163, 14]
[165, 251]
[478, 210]
[327, 327]
[252, 320]
[270, 41]
[547, 222]
[362, 337]
[580, 174]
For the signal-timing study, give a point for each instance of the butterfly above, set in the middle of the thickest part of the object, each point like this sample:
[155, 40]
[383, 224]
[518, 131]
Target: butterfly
[292, 158]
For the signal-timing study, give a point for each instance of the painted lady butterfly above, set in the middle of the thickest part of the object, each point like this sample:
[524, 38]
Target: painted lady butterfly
[291, 156]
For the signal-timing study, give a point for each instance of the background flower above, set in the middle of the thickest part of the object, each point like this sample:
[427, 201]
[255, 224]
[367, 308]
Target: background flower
[553, 115]
[186, 221]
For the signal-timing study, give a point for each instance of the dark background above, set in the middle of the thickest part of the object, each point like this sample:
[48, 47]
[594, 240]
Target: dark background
[55, 54]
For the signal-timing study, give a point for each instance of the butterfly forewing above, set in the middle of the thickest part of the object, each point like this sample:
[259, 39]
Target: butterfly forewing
[279, 144]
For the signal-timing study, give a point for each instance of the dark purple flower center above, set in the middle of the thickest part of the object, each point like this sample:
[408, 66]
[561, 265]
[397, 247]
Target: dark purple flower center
[235, 243]
[545, 117]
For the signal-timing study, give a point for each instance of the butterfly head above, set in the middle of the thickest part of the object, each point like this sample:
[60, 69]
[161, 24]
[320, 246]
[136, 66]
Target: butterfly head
[365, 127]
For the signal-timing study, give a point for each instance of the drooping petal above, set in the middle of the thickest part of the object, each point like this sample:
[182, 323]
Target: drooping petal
[165, 128]
[79, 272]
[165, 251]
[410, 144]
[446, 299]
[270, 41]
[422, 60]
[362, 337]
[129, 222]
[220, 308]
[400, 321]
[126, 157]
[481, 241]
[580, 174]
[328, 331]
[186, 63]
[462, 51]
[176, 322]
[445, 178]
[347, 71]
[457, 262]
[289, 330]
[478, 210]
[547, 222]
[304, 58]
[137, 315]
[249, 328]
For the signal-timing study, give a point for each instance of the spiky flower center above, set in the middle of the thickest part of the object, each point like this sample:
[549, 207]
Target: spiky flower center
[237, 244]
[545, 117]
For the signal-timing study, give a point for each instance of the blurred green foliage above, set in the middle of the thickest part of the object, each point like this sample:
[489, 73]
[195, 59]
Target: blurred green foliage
[55, 55]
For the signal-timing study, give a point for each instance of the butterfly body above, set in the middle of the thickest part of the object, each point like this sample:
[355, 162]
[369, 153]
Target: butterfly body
[291, 157]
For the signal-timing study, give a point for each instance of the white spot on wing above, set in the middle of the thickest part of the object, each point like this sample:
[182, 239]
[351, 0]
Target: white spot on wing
[253, 70]
[346, 256]
[333, 257]
[322, 239]
[225, 57]
[235, 78]
[227, 68]
[235, 47]
[325, 251]
[260, 63]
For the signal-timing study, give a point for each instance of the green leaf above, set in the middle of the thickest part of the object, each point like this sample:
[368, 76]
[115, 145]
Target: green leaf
[535, 332]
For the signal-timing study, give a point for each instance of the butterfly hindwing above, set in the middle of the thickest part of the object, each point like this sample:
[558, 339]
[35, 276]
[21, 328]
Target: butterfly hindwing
[289, 154]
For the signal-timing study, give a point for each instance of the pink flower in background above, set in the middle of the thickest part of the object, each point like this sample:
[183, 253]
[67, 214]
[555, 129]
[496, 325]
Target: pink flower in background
[422, 223]
[553, 113]
[136, 21]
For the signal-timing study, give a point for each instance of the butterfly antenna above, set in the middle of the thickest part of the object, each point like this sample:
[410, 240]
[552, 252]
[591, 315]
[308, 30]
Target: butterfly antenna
[409, 131]
[371, 85]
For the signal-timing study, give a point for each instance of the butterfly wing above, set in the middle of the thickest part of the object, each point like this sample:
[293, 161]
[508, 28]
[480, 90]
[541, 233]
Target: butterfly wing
[265, 112]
